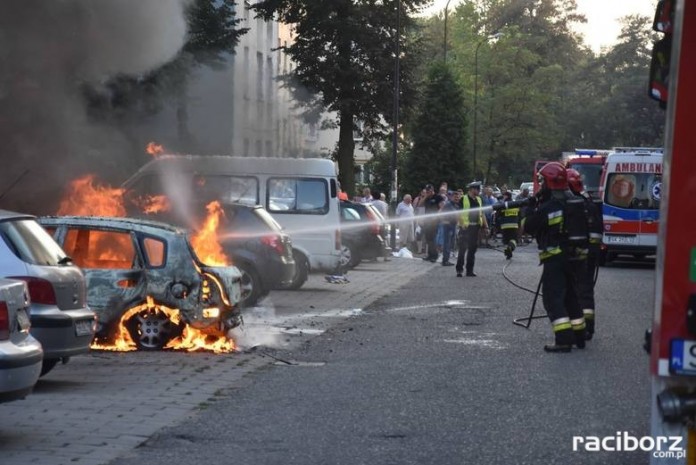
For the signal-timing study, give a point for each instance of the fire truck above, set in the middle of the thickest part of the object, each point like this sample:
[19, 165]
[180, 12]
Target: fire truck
[587, 162]
[673, 341]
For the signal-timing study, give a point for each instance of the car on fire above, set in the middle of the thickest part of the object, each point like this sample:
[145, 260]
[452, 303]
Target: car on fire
[20, 354]
[60, 317]
[144, 279]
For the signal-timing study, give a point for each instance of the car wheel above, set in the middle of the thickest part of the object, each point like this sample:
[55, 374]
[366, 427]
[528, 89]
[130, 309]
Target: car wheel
[251, 285]
[350, 257]
[48, 365]
[301, 270]
[152, 329]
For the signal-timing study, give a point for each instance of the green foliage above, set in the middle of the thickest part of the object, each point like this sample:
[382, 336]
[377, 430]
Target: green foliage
[344, 55]
[439, 134]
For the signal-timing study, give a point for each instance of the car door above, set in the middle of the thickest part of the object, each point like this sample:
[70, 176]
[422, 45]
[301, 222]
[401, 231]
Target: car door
[113, 267]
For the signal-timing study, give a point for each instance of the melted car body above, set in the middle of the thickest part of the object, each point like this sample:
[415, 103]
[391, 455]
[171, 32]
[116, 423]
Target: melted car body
[128, 262]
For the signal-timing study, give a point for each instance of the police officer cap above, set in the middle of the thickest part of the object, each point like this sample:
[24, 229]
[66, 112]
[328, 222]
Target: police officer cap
[475, 185]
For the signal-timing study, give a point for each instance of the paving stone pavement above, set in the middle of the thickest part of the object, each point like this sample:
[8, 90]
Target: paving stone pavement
[101, 405]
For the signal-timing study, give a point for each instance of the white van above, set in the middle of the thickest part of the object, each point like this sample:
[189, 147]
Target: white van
[300, 194]
[631, 191]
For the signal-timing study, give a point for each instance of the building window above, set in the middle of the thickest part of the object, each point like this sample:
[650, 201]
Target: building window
[246, 147]
[259, 77]
[245, 73]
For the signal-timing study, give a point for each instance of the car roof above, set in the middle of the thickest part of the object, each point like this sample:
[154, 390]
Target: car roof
[10, 215]
[131, 224]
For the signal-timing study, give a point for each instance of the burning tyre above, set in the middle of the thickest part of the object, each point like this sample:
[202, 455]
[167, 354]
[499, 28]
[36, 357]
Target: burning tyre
[152, 329]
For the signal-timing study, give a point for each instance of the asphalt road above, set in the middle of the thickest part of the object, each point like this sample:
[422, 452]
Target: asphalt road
[436, 373]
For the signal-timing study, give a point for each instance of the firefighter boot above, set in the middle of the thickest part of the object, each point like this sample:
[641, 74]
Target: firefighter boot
[508, 253]
[563, 341]
[589, 323]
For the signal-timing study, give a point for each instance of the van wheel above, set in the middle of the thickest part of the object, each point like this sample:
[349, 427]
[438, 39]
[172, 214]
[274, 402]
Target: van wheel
[251, 285]
[301, 271]
[350, 256]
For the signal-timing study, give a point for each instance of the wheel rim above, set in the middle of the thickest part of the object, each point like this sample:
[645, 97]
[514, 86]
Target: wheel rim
[154, 329]
[346, 255]
[246, 284]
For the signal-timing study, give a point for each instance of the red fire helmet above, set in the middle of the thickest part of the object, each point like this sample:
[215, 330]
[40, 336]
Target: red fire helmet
[554, 176]
[574, 181]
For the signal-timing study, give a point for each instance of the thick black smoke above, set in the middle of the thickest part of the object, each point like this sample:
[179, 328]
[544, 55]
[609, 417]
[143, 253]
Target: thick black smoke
[49, 51]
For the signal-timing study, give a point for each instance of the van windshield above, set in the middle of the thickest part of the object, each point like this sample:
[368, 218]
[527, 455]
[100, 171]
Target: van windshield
[590, 174]
[31, 243]
[638, 191]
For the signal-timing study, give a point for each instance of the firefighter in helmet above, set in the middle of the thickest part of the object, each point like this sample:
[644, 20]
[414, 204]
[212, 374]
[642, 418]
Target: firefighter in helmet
[509, 225]
[594, 224]
[556, 219]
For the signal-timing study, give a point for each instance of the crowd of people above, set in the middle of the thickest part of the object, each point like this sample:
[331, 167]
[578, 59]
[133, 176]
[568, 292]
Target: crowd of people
[565, 221]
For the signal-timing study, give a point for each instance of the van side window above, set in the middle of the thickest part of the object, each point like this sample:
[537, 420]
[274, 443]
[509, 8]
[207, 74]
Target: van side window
[298, 195]
[226, 189]
[640, 191]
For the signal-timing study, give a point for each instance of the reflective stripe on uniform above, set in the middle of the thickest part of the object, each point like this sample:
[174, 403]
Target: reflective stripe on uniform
[509, 226]
[561, 324]
[578, 324]
[555, 217]
[588, 312]
[549, 252]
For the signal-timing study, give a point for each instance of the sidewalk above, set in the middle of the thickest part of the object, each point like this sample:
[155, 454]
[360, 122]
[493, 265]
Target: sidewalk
[99, 406]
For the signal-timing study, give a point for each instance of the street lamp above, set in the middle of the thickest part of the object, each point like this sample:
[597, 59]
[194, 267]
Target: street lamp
[478, 45]
[444, 44]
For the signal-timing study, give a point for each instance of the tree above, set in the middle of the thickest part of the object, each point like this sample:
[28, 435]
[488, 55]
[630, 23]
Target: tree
[439, 134]
[344, 56]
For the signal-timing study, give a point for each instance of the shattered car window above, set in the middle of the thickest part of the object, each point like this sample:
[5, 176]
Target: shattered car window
[154, 252]
[100, 249]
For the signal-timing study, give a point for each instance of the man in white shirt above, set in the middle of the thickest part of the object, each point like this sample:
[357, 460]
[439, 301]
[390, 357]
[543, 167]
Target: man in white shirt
[405, 212]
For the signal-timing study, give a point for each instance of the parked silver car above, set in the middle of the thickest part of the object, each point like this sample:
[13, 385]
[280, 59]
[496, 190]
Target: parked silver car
[20, 354]
[139, 270]
[60, 318]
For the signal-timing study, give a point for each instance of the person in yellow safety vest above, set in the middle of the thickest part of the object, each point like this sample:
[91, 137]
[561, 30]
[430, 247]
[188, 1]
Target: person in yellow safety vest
[471, 221]
[509, 225]
[553, 222]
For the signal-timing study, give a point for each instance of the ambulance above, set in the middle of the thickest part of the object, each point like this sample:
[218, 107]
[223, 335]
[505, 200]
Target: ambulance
[630, 190]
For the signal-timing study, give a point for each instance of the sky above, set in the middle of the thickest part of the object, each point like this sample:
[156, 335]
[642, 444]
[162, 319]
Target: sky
[602, 27]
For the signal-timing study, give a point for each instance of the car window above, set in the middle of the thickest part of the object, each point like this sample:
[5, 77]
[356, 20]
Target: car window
[154, 252]
[30, 242]
[298, 195]
[96, 249]
[350, 214]
[634, 190]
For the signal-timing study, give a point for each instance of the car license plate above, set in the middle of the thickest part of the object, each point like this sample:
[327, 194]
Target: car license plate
[621, 239]
[682, 358]
[83, 327]
[23, 320]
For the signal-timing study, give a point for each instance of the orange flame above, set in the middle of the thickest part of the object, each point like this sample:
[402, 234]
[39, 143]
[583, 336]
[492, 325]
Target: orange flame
[86, 198]
[155, 204]
[154, 149]
[191, 339]
[206, 241]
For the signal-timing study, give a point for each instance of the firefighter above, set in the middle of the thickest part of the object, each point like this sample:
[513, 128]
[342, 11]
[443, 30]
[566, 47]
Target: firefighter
[595, 228]
[509, 225]
[557, 220]
[471, 221]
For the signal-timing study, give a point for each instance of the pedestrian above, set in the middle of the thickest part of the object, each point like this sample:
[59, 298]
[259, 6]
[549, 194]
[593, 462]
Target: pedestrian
[509, 225]
[522, 237]
[367, 196]
[595, 229]
[419, 208]
[471, 221]
[553, 221]
[448, 226]
[380, 204]
[405, 213]
[430, 223]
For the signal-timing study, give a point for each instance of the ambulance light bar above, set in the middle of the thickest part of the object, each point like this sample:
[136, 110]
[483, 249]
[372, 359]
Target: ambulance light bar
[639, 149]
[591, 152]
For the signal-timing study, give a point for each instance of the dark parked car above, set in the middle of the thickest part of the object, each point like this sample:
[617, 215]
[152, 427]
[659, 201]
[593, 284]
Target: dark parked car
[146, 276]
[361, 234]
[60, 318]
[252, 239]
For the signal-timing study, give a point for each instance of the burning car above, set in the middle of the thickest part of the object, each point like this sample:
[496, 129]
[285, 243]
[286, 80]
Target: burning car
[149, 288]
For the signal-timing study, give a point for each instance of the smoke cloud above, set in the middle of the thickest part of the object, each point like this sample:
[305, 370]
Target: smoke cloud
[49, 49]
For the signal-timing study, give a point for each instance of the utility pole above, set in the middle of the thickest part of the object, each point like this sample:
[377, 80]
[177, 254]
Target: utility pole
[395, 135]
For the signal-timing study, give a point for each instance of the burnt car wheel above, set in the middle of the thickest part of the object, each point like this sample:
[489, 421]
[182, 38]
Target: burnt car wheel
[252, 289]
[152, 329]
